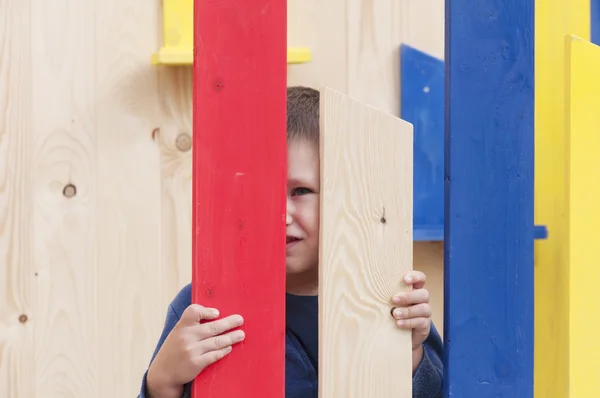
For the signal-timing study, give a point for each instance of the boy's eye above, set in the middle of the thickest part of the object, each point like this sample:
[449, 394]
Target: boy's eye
[300, 191]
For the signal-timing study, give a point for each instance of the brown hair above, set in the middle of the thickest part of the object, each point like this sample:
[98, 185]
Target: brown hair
[303, 114]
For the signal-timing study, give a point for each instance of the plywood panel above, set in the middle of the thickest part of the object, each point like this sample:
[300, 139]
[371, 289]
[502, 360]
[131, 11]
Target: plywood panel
[79, 78]
[130, 312]
[17, 267]
[174, 141]
[365, 249]
[373, 42]
[66, 330]
[321, 26]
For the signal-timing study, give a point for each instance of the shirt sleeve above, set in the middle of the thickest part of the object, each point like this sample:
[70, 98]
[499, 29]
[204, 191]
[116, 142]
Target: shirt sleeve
[170, 322]
[428, 378]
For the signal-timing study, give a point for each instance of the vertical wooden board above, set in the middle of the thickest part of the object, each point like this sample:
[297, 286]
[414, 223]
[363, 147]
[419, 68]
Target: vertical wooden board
[422, 25]
[174, 141]
[583, 192]
[17, 266]
[489, 228]
[239, 188]
[553, 21]
[365, 249]
[129, 281]
[372, 46]
[422, 105]
[320, 26]
[63, 86]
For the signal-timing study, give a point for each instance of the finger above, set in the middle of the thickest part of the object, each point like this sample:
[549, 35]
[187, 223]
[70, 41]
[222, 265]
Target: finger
[415, 323]
[195, 313]
[215, 328]
[406, 299]
[415, 278]
[422, 310]
[220, 342]
[211, 357]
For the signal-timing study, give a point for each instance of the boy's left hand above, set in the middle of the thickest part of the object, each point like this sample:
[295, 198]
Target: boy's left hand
[412, 311]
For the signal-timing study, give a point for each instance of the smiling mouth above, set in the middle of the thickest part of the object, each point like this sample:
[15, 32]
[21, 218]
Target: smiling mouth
[291, 239]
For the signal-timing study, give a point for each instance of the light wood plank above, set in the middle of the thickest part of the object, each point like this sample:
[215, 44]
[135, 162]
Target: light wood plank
[65, 337]
[373, 53]
[174, 140]
[366, 248]
[17, 272]
[131, 313]
[321, 26]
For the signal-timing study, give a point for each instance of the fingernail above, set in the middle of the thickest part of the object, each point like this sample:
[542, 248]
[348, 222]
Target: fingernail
[397, 313]
[397, 299]
[214, 312]
[408, 279]
[238, 319]
[238, 335]
[400, 323]
[228, 349]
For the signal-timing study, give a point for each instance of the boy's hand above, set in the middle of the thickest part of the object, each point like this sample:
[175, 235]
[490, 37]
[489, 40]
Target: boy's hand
[412, 311]
[190, 347]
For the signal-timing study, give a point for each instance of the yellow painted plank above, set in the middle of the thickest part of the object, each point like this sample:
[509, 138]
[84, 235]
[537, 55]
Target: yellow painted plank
[185, 56]
[366, 248]
[583, 196]
[178, 37]
[553, 21]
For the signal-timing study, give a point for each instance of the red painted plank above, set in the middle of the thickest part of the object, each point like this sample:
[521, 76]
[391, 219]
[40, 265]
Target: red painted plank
[239, 183]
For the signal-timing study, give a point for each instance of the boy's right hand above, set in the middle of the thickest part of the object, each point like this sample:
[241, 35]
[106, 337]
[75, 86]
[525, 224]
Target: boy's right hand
[189, 348]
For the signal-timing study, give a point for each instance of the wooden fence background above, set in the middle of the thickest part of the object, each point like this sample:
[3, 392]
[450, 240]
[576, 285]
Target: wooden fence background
[95, 174]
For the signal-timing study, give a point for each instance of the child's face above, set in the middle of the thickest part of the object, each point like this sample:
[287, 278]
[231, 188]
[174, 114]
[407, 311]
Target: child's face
[302, 220]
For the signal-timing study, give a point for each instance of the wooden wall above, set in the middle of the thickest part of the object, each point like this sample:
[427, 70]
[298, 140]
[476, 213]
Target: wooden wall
[95, 174]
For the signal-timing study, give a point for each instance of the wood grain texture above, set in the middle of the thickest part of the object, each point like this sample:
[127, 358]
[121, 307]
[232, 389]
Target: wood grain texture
[239, 188]
[66, 331]
[321, 26]
[17, 266]
[365, 249]
[130, 310]
[373, 53]
[174, 139]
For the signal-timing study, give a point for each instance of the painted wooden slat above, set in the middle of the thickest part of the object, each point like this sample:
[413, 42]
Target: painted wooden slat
[489, 230]
[366, 248]
[553, 21]
[239, 181]
[422, 104]
[583, 196]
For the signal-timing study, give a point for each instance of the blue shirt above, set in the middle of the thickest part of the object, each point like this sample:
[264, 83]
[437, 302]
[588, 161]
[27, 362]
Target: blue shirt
[301, 360]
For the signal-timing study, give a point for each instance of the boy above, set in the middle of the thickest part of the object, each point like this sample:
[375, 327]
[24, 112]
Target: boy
[174, 364]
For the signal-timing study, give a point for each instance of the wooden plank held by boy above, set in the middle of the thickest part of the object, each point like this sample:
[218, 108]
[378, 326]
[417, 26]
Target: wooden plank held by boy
[366, 248]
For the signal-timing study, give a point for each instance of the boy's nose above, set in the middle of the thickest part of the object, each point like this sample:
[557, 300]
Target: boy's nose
[290, 209]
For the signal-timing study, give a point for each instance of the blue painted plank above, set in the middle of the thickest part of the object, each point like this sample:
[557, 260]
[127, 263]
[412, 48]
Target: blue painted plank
[422, 104]
[595, 14]
[489, 171]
